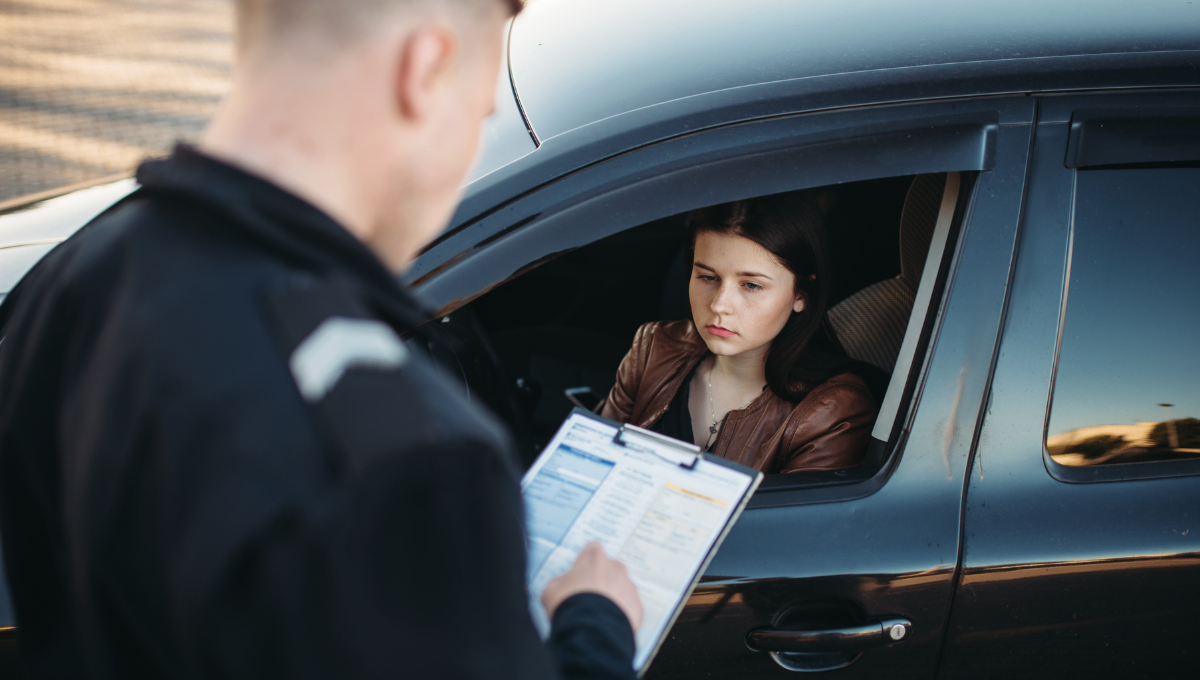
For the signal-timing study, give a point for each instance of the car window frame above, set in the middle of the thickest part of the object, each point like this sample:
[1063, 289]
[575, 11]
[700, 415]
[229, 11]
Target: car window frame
[1078, 111]
[826, 148]
[864, 129]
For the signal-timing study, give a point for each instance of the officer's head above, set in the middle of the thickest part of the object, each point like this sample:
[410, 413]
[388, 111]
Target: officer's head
[370, 109]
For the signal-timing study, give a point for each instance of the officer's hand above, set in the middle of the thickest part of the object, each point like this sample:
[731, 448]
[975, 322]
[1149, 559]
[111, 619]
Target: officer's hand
[594, 572]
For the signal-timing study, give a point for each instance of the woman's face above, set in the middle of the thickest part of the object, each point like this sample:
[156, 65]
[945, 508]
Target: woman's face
[741, 295]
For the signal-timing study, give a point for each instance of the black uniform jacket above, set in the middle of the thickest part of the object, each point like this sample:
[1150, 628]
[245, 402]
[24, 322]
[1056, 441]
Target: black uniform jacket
[219, 460]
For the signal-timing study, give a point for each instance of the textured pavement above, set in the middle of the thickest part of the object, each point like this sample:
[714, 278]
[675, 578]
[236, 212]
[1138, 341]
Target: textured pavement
[88, 88]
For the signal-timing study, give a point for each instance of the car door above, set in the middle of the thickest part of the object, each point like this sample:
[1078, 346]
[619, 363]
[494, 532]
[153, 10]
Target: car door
[1081, 549]
[852, 571]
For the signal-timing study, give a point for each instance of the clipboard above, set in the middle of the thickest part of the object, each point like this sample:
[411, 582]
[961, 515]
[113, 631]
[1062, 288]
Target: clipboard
[660, 505]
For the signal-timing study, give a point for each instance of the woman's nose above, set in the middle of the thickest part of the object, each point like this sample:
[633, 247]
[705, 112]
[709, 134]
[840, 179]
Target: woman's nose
[722, 303]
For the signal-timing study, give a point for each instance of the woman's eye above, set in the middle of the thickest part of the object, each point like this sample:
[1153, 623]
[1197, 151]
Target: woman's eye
[705, 277]
[753, 286]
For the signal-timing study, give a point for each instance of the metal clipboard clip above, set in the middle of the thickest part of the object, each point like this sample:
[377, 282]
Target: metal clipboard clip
[627, 436]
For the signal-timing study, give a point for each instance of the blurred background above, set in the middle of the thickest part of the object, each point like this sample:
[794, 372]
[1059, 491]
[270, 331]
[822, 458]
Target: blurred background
[88, 88]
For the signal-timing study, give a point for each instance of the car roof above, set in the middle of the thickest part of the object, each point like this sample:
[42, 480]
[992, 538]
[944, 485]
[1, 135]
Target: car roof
[575, 62]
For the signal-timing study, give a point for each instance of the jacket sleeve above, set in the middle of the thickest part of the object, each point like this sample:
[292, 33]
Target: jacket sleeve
[416, 569]
[619, 403]
[830, 429]
[591, 638]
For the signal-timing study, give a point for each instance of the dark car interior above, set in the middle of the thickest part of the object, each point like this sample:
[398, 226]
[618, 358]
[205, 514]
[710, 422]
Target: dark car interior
[551, 339]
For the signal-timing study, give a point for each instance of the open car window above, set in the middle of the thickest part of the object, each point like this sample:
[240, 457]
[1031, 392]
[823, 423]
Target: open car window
[551, 287]
[552, 338]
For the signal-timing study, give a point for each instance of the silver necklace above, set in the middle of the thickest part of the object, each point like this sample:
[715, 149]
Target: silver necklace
[712, 429]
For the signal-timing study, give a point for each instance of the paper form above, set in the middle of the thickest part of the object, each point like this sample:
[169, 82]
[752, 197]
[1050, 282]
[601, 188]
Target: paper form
[659, 519]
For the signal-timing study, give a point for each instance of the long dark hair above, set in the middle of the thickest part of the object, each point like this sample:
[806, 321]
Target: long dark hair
[806, 352]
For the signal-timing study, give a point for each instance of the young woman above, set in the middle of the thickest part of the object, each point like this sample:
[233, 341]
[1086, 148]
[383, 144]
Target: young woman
[757, 375]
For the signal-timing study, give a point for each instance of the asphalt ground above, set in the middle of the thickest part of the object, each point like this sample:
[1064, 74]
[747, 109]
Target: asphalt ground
[88, 88]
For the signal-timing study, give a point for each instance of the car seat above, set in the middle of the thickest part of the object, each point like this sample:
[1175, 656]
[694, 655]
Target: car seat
[871, 323]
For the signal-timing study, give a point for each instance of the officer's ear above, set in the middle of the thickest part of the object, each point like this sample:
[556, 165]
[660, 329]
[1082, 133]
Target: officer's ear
[426, 62]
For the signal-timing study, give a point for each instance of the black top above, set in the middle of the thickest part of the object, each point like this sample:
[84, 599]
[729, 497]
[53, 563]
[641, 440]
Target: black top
[677, 420]
[217, 459]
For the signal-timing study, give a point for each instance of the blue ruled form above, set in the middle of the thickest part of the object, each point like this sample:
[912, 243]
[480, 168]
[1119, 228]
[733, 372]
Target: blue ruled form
[556, 496]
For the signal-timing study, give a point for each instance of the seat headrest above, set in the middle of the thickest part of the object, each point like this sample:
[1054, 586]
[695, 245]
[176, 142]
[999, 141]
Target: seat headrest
[917, 221]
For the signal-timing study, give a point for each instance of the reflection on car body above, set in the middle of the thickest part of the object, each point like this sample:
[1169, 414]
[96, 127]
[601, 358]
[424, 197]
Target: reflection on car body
[971, 518]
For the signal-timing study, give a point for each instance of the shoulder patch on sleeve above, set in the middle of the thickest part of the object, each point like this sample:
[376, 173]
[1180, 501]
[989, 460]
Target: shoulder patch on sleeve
[338, 344]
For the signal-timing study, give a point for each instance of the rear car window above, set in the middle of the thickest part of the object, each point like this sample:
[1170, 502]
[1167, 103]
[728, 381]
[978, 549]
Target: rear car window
[1127, 385]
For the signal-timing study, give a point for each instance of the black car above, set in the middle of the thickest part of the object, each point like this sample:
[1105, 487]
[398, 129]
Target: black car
[1013, 198]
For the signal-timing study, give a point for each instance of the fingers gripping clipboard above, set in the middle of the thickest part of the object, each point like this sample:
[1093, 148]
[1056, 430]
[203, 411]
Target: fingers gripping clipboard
[658, 504]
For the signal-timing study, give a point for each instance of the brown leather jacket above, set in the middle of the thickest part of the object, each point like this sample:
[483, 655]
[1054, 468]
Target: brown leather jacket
[828, 430]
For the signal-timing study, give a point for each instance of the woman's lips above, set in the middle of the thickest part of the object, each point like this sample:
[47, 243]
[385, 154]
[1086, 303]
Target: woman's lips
[719, 331]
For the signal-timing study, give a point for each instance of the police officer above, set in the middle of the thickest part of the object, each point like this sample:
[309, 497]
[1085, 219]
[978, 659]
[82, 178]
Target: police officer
[217, 457]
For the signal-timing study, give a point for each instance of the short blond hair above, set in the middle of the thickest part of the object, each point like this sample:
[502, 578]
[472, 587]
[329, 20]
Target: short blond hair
[339, 21]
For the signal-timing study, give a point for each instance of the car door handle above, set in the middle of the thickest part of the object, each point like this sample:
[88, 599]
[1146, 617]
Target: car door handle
[867, 634]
